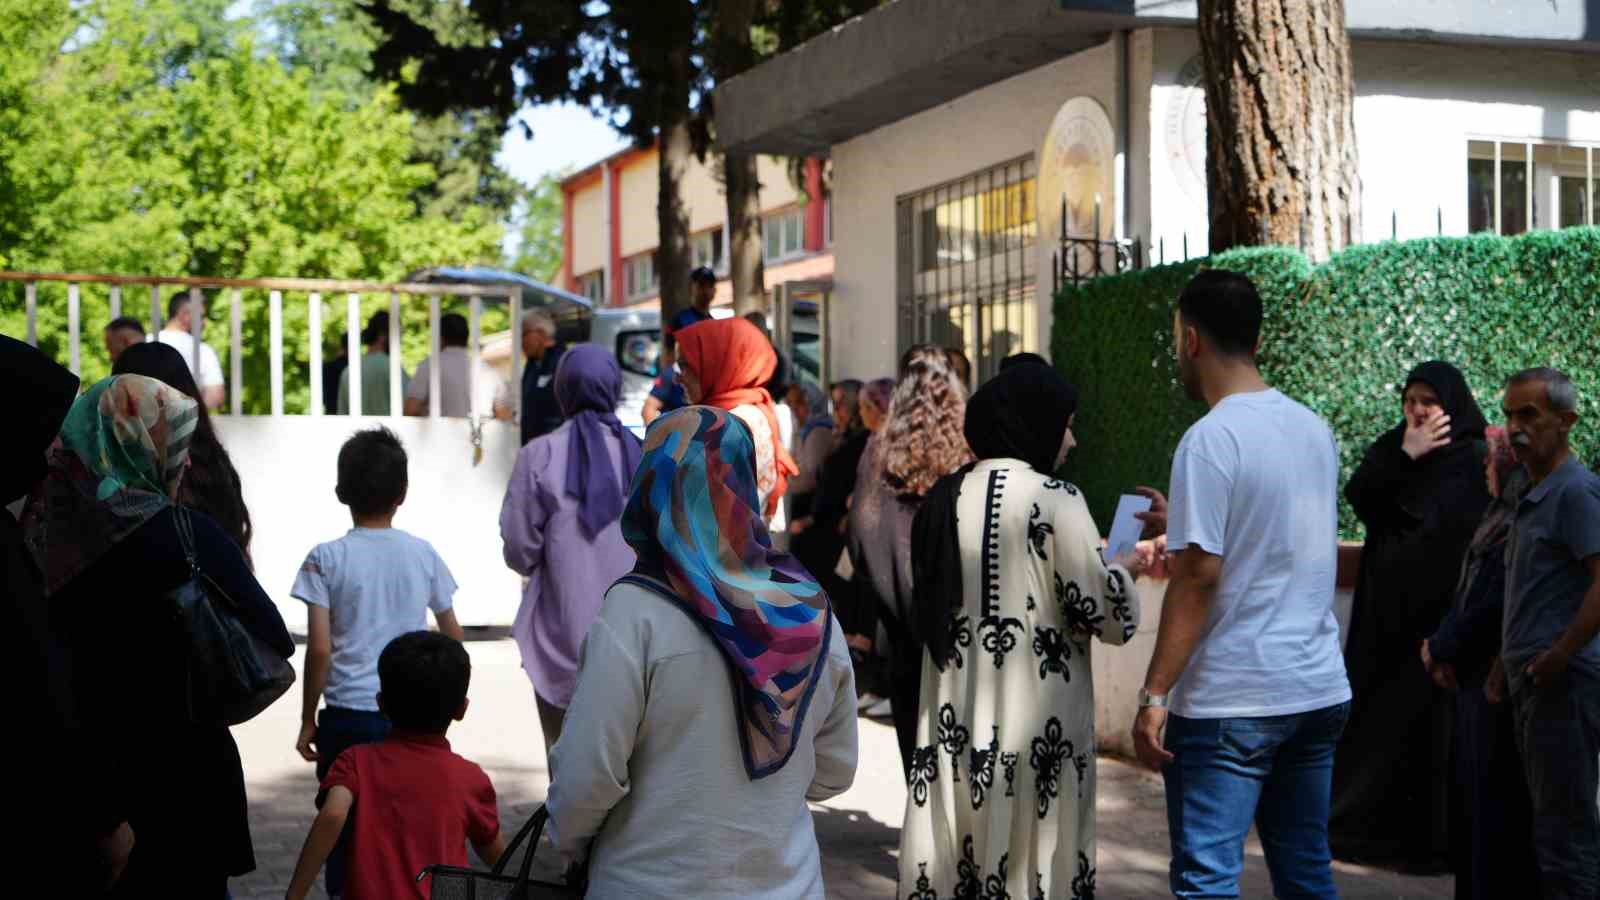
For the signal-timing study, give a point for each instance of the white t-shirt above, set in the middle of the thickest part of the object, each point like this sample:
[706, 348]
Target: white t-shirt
[377, 584]
[1256, 482]
[454, 364]
[208, 372]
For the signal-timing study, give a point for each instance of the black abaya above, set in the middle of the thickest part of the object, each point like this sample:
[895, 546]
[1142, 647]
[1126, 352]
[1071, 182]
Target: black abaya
[1391, 777]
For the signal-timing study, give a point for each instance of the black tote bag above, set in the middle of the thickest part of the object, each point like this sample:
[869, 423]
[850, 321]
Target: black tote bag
[232, 674]
[455, 883]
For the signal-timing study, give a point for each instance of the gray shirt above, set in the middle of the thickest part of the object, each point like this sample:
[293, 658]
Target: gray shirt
[1557, 530]
[650, 770]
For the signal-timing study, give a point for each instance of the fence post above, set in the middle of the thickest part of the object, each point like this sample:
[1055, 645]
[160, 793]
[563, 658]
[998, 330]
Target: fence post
[236, 355]
[516, 353]
[73, 352]
[433, 352]
[275, 338]
[314, 351]
[352, 324]
[116, 302]
[155, 310]
[396, 394]
[30, 294]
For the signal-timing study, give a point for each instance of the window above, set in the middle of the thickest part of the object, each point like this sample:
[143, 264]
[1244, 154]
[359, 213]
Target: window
[640, 276]
[784, 235]
[593, 286]
[707, 249]
[965, 262]
[1515, 186]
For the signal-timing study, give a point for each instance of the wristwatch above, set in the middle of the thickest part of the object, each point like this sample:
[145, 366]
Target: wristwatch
[1148, 699]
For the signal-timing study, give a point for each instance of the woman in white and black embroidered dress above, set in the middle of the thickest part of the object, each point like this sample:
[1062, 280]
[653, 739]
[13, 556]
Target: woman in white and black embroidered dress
[1009, 588]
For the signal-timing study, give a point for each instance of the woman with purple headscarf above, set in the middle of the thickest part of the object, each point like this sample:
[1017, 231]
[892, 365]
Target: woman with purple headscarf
[559, 525]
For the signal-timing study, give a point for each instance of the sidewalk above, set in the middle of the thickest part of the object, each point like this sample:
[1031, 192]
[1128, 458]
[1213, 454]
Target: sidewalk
[859, 831]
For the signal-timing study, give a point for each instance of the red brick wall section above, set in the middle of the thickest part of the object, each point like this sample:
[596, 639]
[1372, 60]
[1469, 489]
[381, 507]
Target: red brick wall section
[814, 206]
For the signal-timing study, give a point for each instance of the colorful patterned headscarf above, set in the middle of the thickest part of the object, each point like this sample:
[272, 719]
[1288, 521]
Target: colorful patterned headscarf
[692, 519]
[120, 455]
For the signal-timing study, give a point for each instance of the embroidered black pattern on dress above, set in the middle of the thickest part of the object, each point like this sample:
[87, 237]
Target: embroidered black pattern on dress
[997, 637]
[1053, 650]
[1121, 609]
[967, 883]
[924, 889]
[1078, 609]
[1083, 885]
[924, 771]
[1032, 603]
[989, 602]
[994, 886]
[1039, 534]
[1038, 887]
[1081, 763]
[1049, 752]
[1008, 762]
[960, 636]
[1056, 484]
[980, 769]
[953, 738]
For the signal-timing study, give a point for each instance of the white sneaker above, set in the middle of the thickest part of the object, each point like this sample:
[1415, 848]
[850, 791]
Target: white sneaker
[881, 710]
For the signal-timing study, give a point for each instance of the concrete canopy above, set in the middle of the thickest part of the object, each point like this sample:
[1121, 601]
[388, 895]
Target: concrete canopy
[912, 55]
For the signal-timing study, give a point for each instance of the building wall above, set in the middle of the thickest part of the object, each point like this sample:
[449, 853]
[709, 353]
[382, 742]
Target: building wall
[1001, 122]
[1417, 106]
[589, 228]
[638, 181]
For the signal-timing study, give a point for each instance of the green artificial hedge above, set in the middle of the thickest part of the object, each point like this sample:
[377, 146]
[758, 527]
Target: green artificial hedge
[1339, 337]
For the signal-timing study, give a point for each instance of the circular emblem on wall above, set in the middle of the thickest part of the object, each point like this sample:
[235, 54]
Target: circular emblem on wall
[1185, 132]
[1077, 164]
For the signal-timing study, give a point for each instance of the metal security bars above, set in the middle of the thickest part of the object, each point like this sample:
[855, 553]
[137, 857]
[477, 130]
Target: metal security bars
[313, 290]
[965, 259]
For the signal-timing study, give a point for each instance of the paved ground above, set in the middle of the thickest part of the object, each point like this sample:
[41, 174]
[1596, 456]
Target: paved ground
[858, 831]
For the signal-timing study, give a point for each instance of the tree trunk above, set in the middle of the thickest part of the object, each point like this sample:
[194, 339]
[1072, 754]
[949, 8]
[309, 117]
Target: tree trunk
[674, 151]
[733, 53]
[1281, 162]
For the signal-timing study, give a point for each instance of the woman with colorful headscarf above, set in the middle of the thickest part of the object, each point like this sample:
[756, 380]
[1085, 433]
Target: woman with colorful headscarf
[672, 784]
[1420, 493]
[102, 529]
[1010, 588]
[1491, 814]
[727, 363]
[559, 524]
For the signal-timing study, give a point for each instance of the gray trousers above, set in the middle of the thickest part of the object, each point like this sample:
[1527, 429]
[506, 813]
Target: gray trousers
[1558, 736]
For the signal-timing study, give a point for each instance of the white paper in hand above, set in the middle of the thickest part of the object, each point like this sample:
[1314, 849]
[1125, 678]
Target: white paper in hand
[1125, 529]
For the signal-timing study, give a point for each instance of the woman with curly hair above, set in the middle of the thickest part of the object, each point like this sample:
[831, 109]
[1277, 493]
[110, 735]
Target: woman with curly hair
[920, 443]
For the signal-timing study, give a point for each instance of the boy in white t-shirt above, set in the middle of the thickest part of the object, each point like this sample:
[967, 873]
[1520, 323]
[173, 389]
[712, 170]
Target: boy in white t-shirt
[363, 591]
[1248, 646]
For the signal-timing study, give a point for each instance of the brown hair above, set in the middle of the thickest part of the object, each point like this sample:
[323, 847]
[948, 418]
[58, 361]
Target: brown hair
[922, 439]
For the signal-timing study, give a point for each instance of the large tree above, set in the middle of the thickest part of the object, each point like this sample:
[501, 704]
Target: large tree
[1281, 165]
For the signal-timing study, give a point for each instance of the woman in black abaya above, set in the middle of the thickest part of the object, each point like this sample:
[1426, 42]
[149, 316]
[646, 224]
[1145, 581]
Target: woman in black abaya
[1421, 494]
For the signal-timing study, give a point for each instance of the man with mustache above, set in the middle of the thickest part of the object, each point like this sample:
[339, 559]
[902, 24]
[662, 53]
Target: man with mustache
[1552, 615]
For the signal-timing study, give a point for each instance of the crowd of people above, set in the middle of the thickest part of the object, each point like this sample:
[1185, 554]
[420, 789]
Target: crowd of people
[933, 571]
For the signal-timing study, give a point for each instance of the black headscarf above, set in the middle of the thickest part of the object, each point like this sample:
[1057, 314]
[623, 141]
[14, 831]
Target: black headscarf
[1022, 413]
[1466, 419]
[39, 392]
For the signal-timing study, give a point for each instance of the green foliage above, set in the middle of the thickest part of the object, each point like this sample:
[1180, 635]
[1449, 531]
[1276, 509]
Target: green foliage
[154, 140]
[1339, 338]
[539, 238]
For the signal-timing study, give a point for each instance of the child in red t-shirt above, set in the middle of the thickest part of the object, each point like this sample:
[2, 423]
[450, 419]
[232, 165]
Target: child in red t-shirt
[410, 801]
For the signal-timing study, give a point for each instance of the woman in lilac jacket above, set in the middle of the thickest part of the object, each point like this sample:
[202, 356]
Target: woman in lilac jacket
[559, 526]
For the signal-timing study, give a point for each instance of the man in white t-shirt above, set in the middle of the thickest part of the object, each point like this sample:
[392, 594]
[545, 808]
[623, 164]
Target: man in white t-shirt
[1247, 658]
[494, 397]
[177, 333]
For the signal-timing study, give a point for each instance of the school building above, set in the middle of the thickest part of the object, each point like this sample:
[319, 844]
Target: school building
[957, 130]
[609, 225]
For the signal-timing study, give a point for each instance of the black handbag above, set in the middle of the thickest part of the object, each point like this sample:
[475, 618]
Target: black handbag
[456, 883]
[232, 674]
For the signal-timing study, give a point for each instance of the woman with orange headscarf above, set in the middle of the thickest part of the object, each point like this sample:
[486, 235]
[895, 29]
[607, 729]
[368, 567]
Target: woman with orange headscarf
[726, 363]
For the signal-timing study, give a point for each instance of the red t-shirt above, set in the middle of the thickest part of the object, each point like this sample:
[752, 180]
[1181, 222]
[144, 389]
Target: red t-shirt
[416, 805]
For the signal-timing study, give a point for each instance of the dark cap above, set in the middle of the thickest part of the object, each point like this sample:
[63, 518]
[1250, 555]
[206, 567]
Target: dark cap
[703, 274]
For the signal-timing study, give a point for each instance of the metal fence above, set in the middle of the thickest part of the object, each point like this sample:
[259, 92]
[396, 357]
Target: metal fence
[313, 289]
[965, 254]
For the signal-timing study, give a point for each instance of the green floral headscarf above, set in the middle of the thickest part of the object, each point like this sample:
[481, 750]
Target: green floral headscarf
[116, 464]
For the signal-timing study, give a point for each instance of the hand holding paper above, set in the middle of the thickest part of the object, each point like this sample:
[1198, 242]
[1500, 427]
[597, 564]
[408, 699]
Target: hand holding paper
[1126, 527]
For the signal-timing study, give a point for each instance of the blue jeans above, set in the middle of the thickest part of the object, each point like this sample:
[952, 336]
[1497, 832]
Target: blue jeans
[1274, 770]
[337, 731]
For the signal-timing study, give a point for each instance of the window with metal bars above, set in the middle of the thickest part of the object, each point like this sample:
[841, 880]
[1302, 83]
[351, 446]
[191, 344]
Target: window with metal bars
[965, 265]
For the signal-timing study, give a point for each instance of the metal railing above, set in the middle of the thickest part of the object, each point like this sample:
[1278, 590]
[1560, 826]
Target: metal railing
[313, 289]
[1078, 258]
